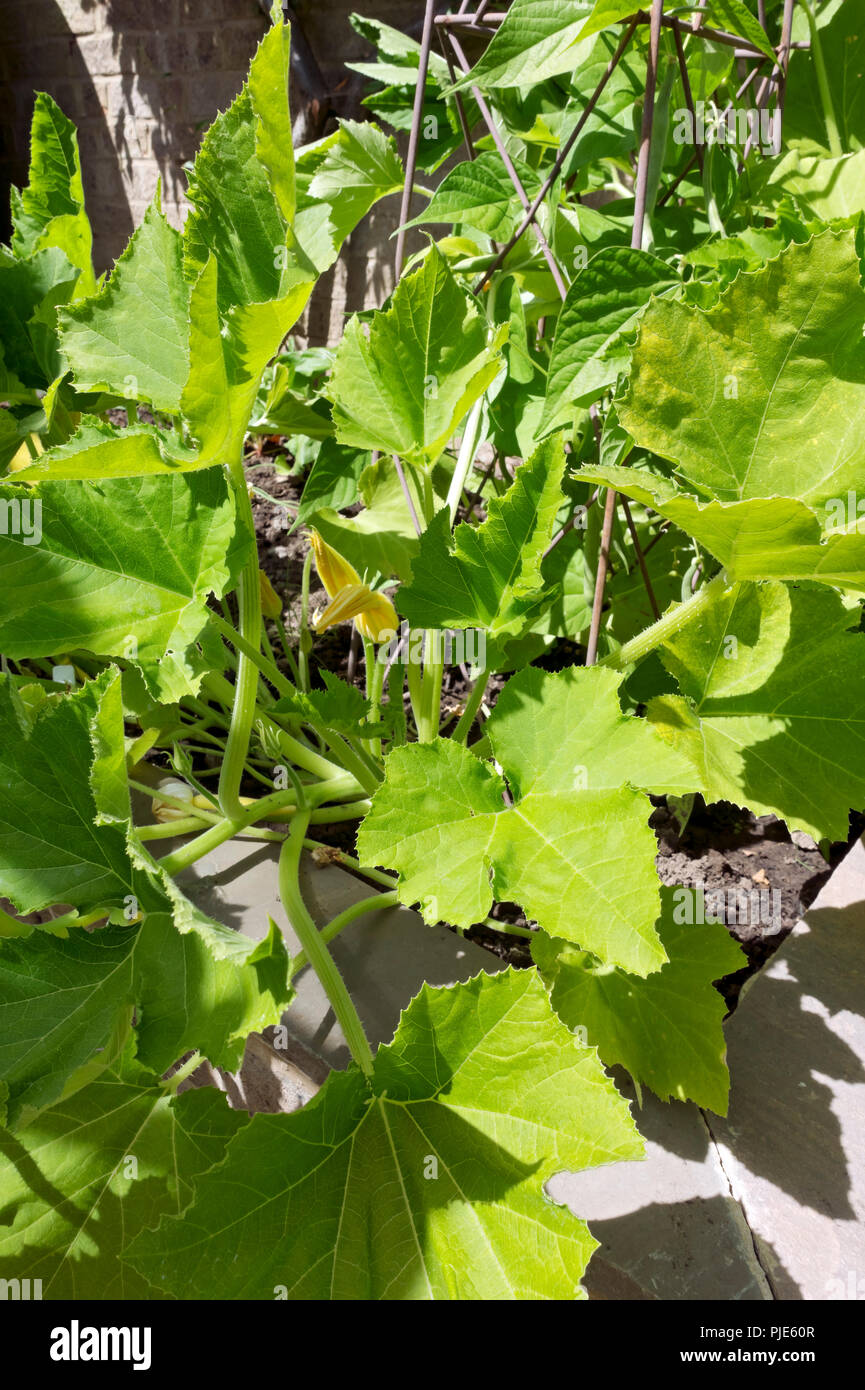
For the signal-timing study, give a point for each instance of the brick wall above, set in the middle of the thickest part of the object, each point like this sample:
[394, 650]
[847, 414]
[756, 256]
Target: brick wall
[142, 79]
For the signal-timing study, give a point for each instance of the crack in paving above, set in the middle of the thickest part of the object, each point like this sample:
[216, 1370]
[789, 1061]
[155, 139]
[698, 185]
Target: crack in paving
[762, 1273]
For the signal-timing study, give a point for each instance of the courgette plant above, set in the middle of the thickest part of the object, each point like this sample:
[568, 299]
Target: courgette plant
[703, 359]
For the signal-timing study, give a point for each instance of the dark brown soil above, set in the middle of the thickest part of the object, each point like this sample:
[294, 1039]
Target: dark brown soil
[727, 851]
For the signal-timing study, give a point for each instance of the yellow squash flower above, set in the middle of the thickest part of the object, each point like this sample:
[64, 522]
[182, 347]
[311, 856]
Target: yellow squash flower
[373, 614]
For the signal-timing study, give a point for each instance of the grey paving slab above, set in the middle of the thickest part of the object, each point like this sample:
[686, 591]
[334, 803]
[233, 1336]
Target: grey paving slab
[668, 1225]
[793, 1145]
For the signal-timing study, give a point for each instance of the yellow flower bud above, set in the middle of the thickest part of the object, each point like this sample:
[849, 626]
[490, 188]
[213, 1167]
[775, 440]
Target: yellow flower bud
[271, 603]
[374, 613]
[334, 572]
[378, 621]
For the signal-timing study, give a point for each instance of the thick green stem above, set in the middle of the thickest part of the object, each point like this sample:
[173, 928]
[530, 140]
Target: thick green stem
[304, 640]
[315, 947]
[510, 928]
[667, 626]
[266, 807]
[351, 760]
[431, 686]
[377, 903]
[166, 830]
[473, 703]
[246, 685]
[374, 682]
[415, 686]
[297, 752]
[466, 457]
[10, 926]
[270, 672]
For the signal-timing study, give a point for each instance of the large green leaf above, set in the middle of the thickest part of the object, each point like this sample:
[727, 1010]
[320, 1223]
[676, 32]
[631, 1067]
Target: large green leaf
[66, 1012]
[537, 39]
[823, 188]
[50, 210]
[84, 1178]
[68, 1003]
[221, 392]
[51, 851]
[665, 1029]
[237, 216]
[65, 837]
[762, 395]
[590, 348]
[756, 402]
[340, 179]
[251, 280]
[763, 538]
[268, 90]
[132, 339]
[733, 16]
[406, 386]
[426, 1182]
[774, 714]
[572, 846]
[31, 289]
[99, 451]
[123, 568]
[480, 194]
[489, 576]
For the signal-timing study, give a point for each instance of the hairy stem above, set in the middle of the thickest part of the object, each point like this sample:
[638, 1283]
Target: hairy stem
[267, 807]
[667, 626]
[246, 685]
[473, 704]
[267, 668]
[510, 928]
[374, 684]
[377, 903]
